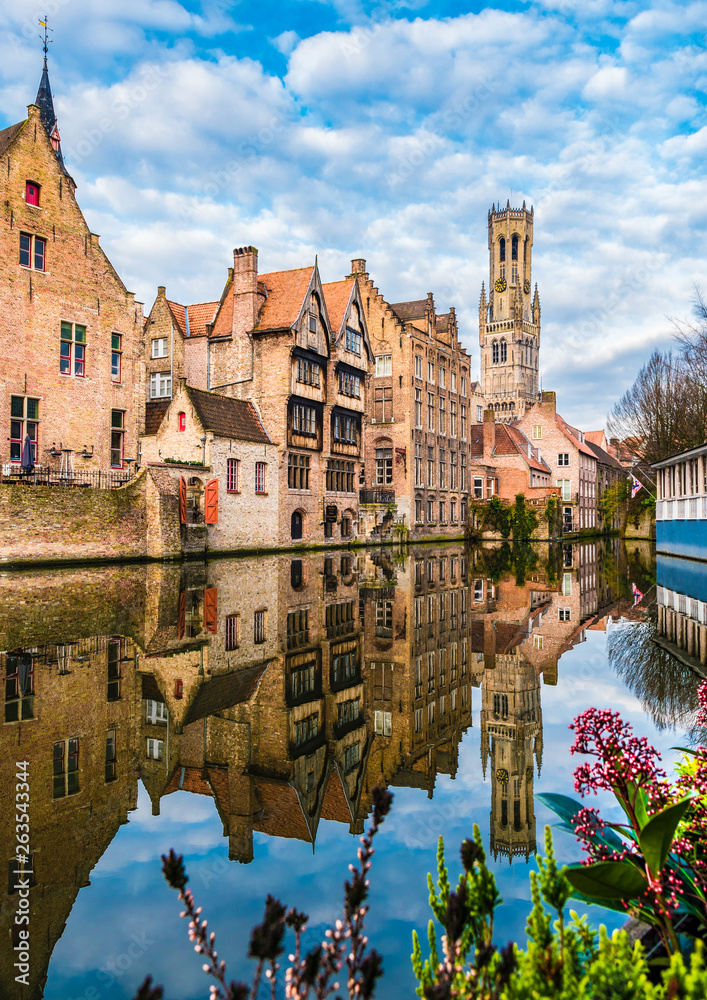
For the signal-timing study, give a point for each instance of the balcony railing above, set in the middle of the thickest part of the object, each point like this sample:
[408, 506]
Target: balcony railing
[97, 479]
[376, 496]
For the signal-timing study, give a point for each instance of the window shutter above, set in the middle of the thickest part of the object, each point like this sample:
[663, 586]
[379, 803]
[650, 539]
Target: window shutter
[182, 615]
[182, 500]
[211, 502]
[211, 608]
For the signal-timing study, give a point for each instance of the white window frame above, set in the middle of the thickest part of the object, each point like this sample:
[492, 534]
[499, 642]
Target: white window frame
[160, 385]
[159, 347]
[384, 365]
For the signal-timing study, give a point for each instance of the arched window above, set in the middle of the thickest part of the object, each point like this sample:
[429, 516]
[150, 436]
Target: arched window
[497, 406]
[514, 248]
[182, 421]
[504, 406]
[525, 249]
[527, 351]
[494, 352]
[511, 406]
[504, 351]
[296, 524]
[502, 249]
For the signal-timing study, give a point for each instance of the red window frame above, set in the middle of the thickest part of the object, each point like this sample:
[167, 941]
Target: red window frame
[182, 426]
[72, 349]
[117, 438]
[116, 361]
[32, 193]
[260, 477]
[22, 425]
[232, 474]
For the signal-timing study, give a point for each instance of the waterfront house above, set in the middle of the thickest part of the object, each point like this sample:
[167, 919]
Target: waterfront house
[70, 331]
[681, 504]
[219, 452]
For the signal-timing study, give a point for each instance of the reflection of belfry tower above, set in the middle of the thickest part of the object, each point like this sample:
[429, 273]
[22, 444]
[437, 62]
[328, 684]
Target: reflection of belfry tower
[509, 321]
[511, 734]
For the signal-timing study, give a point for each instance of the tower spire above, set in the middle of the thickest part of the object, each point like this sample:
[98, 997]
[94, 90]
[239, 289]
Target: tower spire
[44, 99]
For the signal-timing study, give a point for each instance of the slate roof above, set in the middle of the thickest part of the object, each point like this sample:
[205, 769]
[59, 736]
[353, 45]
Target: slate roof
[442, 322]
[604, 457]
[223, 691]
[285, 297]
[228, 417]
[154, 415]
[337, 295]
[414, 309]
[7, 135]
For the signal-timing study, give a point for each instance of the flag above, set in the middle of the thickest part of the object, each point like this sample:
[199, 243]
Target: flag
[635, 486]
[637, 595]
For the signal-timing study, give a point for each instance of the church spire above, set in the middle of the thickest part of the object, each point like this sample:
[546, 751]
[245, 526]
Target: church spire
[45, 102]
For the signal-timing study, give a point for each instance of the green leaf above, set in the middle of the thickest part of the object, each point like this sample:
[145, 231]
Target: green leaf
[656, 837]
[688, 750]
[639, 800]
[566, 808]
[608, 880]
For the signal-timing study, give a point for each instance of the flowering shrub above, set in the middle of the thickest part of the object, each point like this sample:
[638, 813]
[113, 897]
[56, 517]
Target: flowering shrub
[653, 865]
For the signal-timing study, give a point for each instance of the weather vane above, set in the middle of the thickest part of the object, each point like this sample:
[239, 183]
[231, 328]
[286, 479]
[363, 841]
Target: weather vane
[45, 38]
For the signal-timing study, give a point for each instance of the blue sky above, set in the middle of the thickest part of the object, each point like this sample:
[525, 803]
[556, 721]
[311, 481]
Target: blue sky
[386, 130]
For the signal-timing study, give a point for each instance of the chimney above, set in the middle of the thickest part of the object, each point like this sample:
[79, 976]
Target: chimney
[245, 289]
[549, 400]
[161, 291]
[489, 432]
[358, 266]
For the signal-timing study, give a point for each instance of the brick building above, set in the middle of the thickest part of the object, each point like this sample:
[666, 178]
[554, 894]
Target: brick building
[509, 322]
[424, 402]
[70, 332]
[218, 451]
[299, 351]
[504, 462]
[573, 463]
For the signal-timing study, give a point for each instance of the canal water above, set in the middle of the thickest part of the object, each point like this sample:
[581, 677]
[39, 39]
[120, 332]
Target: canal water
[242, 711]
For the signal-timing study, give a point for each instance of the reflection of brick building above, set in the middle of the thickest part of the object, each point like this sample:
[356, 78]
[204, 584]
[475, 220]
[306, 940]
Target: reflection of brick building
[70, 349]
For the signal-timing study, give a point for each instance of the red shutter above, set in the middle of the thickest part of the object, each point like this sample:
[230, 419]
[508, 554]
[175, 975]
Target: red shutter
[211, 502]
[182, 615]
[182, 500]
[211, 608]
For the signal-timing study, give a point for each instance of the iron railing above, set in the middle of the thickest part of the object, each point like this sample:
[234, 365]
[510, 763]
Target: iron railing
[95, 479]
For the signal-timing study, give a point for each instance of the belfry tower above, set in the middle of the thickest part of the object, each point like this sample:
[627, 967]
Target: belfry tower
[509, 320]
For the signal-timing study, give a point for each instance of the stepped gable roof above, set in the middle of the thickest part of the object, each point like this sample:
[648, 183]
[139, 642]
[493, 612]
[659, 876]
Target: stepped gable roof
[223, 691]
[7, 135]
[335, 805]
[281, 813]
[337, 295]
[154, 415]
[572, 433]
[285, 292]
[228, 417]
[442, 322]
[414, 309]
[604, 457]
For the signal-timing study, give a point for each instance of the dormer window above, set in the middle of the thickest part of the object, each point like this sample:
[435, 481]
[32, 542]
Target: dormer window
[32, 193]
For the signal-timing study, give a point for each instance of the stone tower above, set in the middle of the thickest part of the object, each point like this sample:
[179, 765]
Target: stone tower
[509, 320]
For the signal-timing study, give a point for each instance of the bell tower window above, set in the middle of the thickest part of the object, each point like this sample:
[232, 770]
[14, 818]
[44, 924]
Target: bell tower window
[504, 351]
[494, 352]
[514, 248]
[502, 250]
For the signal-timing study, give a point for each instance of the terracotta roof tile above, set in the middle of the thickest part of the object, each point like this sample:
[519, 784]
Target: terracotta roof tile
[223, 322]
[286, 291]
[337, 295]
[228, 417]
[154, 415]
[595, 437]
[281, 813]
[193, 779]
[199, 315]
[177, 311]
[521, 442]
[604, 457]
[571, 433]
[7, 135]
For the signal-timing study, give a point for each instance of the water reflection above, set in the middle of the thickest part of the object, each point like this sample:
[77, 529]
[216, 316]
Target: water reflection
[283, 690]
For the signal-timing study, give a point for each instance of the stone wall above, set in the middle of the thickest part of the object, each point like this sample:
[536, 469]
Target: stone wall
[55, 523]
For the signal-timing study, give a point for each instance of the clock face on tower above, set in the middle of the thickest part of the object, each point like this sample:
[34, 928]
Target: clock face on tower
[526, 287]
[500, 285]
